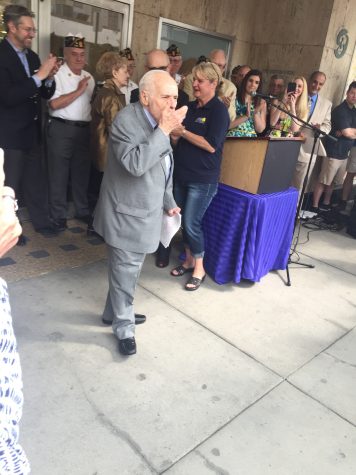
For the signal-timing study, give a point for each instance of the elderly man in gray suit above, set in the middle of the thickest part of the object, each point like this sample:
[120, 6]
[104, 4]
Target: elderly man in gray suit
[135, 192]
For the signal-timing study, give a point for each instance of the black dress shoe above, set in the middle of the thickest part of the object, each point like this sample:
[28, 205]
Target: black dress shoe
[87, 218]
[60, 225]
[92, 233]
[138, 319]
[22, 241]
[162, 255]
[127, 346]
[47, 230]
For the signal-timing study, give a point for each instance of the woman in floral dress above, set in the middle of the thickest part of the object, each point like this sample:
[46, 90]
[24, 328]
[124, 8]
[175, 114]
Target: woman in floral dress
[251, 111]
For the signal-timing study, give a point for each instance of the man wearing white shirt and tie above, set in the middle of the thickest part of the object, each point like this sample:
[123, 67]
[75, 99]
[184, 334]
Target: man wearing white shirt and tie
[320, 116]
[68, 133]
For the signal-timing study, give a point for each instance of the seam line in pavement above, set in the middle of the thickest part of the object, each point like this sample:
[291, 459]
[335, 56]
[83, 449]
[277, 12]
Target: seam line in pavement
[108, 425]
[327, 264]
[210, 331]
[324, 350]
[336, 359]
[321, 403]
[224, 425]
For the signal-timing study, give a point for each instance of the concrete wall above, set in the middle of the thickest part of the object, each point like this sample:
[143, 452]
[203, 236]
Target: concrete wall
[343, 16]
[234, 19]
[289, 35]
[284, 36]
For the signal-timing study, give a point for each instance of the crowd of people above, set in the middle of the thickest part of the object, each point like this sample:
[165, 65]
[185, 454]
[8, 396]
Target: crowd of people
[132, 152]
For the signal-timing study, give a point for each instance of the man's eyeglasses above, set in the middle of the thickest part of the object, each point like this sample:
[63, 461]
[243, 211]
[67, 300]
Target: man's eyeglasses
[28, 29]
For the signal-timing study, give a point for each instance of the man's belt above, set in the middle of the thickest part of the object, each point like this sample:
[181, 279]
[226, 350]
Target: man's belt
[75, 123]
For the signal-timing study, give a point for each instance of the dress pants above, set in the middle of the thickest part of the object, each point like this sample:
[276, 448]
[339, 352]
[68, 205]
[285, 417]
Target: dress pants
[68, 153]
[124, 271]
[24, 171]
[300, 172]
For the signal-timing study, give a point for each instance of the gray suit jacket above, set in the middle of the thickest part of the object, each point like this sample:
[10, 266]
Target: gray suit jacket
[321, 115]
[135, 189]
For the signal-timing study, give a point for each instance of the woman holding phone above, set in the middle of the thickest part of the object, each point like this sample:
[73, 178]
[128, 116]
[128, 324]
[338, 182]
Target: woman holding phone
[295, 101]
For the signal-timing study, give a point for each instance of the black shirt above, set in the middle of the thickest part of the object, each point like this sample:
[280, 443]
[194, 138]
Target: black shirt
[193, 164]
[342, 117]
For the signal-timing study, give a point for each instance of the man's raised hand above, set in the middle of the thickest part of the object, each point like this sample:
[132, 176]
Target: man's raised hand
[171, 119]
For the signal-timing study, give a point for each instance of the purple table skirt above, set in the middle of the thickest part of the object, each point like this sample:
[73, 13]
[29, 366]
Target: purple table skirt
[246, 235]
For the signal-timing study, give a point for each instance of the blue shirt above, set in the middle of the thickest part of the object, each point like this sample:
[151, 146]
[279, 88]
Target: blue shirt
[312, 100]
[22, 54]
[193, 164]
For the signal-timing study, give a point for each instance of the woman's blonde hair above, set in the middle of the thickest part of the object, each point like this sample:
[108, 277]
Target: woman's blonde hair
[301, 106]
[108, 63]
[209, 71]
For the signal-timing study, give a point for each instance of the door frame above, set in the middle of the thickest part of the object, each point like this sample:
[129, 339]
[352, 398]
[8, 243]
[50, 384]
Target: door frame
[42, 9]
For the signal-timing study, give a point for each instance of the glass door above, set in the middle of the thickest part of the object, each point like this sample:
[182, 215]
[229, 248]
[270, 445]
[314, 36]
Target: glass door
[104, 24]
[3, 3]
[192, 42]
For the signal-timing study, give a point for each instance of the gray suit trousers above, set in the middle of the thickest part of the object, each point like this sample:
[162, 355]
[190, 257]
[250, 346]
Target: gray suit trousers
[68, 153]
[124, 271]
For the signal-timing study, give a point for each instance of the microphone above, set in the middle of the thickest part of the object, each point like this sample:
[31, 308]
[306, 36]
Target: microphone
[263, 96]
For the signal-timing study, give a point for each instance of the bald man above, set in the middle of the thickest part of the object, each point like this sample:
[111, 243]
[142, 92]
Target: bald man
[157, 59]
[227, 91]
[136, 190]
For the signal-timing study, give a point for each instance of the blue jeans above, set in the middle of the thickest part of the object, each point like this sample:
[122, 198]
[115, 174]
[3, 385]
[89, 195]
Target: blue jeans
[194, 199]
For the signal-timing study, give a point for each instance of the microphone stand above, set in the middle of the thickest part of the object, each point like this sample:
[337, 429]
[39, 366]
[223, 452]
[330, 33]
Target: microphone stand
[317, 132]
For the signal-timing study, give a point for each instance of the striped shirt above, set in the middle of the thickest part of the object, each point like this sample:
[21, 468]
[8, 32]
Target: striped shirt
[13, 460]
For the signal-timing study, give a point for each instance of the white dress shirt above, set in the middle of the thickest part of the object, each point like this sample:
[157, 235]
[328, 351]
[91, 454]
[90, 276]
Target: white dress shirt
[66, 82]
[128, 89]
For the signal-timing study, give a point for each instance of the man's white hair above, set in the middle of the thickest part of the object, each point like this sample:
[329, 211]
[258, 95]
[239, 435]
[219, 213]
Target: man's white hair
[147, 82]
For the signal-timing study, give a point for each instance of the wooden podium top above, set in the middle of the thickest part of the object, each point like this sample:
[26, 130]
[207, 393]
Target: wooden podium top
[259, 164]
[271, 139]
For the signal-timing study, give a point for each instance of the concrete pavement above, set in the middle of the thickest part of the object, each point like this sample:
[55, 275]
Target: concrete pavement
[247, 379]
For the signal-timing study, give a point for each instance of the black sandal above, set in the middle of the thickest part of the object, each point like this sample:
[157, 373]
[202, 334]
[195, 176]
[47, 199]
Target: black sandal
[181, 270]
[195, 282]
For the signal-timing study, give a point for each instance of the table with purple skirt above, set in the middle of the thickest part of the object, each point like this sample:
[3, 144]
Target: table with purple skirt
[246, 235]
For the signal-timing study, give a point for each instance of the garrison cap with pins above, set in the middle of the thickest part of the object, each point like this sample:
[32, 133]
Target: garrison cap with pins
[173, 51]
[127, 53]
[74, 41]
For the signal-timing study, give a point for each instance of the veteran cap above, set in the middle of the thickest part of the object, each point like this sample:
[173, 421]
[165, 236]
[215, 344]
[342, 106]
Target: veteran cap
[127, 53]
[173, 51]
[74, 41]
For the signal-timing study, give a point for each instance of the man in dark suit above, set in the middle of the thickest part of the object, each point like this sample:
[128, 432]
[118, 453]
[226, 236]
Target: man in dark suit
[136, 190]
[23, 81]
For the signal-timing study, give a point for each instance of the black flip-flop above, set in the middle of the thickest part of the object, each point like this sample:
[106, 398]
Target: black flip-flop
[181, 270]
[195, 281]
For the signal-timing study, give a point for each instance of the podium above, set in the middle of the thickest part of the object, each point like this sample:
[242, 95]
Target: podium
[247, 236]
[259, 165]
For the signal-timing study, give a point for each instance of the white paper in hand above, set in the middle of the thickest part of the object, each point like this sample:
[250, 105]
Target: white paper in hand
[170, 225]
